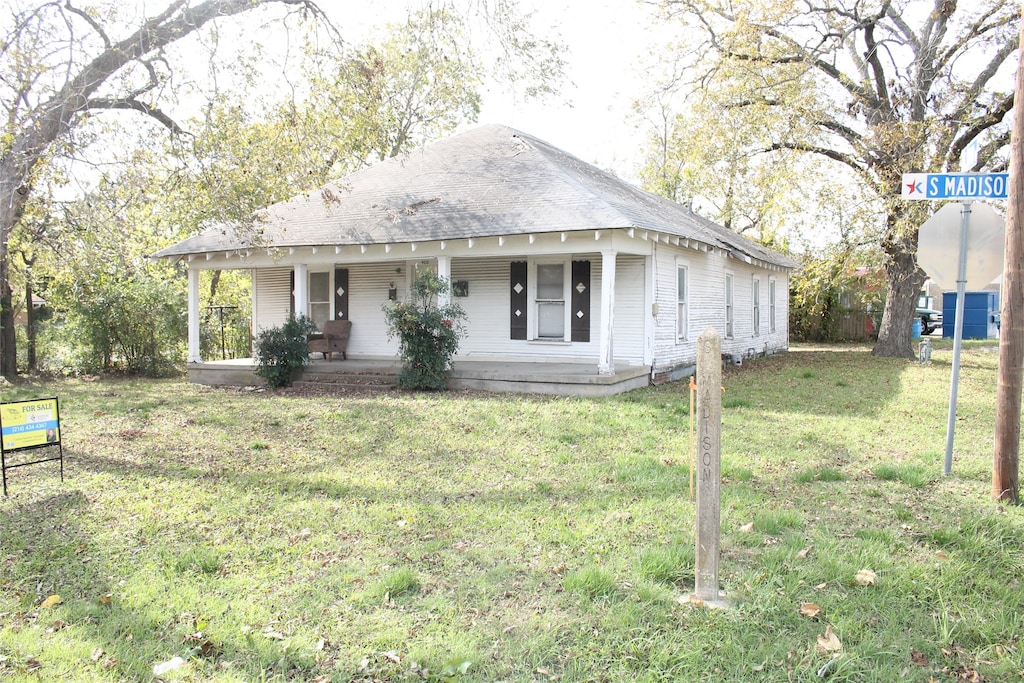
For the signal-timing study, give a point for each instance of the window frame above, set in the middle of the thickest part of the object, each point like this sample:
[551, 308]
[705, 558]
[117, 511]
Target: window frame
[755, 297]
[730, 308]
[771, 305]
[535, 302]
[328, 303]
[683, 303]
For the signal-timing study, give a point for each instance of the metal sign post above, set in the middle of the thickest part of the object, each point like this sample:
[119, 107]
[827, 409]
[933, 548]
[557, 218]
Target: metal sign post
[983, 240]
[958, 336]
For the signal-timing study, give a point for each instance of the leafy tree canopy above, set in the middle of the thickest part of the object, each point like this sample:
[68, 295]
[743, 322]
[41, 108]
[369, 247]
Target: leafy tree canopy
[872, 89]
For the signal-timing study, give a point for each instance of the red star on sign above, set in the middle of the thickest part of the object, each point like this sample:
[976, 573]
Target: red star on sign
[912, 188]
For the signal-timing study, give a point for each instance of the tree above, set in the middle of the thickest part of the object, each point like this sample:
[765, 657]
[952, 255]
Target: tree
[59, 63]
[878, 88]
[365, 104]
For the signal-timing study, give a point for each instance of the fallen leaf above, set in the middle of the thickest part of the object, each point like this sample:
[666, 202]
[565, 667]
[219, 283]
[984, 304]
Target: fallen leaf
[940, 555]
[199, 644]
[391, 657]
[106, 598]
[828, 643]
[865, 577]
[305, 533]
[747, 528]
[58, 625]
[97, 654]
[50, 602]
[805, 552]
[809, 609]
[918, 658]
[821, 586]
[272, 634]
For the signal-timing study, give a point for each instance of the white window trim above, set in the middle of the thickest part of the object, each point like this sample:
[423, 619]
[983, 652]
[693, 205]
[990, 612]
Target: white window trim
[755, 305]
[771, 304]
[729, 285]
[683, 326]
[532, 319]
[330, 289]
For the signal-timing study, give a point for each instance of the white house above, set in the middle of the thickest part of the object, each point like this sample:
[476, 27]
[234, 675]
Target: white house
[555, 261]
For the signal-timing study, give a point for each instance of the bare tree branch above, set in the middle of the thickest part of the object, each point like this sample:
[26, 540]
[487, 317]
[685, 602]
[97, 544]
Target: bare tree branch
[132, 104]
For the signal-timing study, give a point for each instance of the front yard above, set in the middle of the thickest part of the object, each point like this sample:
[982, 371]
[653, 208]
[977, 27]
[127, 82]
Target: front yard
[460, 536]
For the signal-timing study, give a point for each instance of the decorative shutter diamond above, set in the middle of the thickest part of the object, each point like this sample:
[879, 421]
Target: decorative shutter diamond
[580, 314]
[518, 288]
[518, 313]
[341, 291]
[581, 288]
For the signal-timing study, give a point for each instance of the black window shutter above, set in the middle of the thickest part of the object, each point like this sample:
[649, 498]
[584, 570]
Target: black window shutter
[291, 293]
[581, 301]
[518, 300]
[341, 293]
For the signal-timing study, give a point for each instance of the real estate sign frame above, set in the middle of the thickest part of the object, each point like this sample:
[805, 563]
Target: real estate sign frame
[29, 425]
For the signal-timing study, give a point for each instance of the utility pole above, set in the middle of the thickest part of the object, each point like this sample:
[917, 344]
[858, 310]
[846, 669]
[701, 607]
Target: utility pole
[1005, 483]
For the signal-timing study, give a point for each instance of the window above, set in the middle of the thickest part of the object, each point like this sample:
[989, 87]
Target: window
[682, 315]
[756, 296]
[550, 301]
[771, 305]
[320, 298]
[728, 306]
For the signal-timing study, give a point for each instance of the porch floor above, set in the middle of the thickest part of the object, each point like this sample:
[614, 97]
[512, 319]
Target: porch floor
[569, 379]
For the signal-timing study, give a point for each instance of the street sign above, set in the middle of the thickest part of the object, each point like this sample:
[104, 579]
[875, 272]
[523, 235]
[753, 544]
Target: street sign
[937, 241]
[955, 186]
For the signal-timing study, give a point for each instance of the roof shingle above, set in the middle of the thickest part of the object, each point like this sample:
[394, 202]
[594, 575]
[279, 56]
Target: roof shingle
[489, 181]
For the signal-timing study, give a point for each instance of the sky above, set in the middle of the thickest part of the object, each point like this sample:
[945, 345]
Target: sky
[591, 117]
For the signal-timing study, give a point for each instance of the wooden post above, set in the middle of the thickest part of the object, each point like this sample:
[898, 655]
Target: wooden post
[1005, 483]
[709, 464]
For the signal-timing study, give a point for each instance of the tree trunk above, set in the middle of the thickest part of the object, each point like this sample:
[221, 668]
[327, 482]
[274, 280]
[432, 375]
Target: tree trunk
[905, 281]
[30, 325]
[8, 347]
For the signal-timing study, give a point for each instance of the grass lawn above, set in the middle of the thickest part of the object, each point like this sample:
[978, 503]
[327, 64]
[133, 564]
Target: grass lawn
[265, 536]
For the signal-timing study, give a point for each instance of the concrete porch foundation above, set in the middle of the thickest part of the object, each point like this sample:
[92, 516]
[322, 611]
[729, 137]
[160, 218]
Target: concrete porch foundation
[564, 379]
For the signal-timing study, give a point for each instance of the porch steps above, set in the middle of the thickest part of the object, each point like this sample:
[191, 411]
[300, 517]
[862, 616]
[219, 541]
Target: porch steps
[347, 381]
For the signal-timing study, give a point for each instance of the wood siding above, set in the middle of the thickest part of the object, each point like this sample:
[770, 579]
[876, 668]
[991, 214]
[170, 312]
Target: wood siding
[271, 297]
[488, 307]
[706, 274]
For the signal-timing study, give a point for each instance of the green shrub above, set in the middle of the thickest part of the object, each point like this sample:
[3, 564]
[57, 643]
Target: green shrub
[428, 334]
[280, 351]
[130, 320]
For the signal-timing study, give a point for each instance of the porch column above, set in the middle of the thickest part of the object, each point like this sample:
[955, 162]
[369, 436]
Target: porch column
[194, 352]
[444, 270]
[301, 289]
[605, 361]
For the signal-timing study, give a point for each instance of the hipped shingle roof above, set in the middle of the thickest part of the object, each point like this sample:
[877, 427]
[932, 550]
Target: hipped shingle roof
[489, 181]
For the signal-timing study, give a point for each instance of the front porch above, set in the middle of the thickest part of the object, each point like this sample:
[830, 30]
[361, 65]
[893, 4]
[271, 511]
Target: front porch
[565, 379]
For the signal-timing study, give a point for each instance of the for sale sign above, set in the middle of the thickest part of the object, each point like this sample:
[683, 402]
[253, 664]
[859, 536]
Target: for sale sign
[30, 424]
